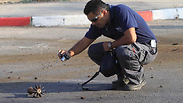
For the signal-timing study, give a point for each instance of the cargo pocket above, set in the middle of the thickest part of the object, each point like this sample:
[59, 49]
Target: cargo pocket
[140, 53]
[141, 56]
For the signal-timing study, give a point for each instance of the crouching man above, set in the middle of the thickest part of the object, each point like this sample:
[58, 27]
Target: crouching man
[133, 45]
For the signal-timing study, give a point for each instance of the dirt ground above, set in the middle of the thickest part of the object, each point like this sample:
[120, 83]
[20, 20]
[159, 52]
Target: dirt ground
[29, 57]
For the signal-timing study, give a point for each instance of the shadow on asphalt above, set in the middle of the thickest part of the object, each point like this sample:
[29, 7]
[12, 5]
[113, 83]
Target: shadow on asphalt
[19, 89]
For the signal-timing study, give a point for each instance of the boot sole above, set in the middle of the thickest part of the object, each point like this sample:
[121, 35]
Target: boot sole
[135, 87]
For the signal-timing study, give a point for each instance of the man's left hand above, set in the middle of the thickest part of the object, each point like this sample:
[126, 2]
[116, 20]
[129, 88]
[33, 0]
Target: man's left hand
[105, 46]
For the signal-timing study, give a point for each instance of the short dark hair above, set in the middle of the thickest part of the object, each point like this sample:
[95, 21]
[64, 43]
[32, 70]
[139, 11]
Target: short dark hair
[94, 5]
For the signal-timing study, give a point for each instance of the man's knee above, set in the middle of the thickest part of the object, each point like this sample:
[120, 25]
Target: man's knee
[91, 50]
[96, 49]
[96, 52]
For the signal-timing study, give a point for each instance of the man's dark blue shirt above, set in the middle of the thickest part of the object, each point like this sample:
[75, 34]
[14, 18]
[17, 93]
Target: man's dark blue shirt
[122, 18]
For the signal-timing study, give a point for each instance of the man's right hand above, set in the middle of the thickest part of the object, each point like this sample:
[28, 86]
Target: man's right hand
[77, 48]
[61, 52]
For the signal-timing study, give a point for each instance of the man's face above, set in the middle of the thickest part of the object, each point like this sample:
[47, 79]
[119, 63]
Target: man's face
[97, 19]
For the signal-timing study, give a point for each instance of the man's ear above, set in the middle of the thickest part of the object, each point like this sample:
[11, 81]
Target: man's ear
[105, 12]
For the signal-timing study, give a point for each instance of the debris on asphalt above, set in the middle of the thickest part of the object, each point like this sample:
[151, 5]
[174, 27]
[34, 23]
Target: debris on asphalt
[175, 44]
[151, 68]
[82, 97]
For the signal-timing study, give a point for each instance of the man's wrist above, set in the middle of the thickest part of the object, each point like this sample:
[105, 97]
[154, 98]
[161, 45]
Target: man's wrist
[71, 53]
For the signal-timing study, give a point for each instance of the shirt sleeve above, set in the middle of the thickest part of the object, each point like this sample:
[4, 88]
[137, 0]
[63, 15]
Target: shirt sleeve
[126, 18]
[93, 32]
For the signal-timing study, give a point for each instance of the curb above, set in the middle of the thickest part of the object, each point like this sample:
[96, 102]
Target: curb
[161, 14]
[15, 21]
[60, 20]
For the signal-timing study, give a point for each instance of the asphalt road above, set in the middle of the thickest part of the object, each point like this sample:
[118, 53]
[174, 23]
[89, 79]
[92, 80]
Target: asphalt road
[76, 7]
[29, 52]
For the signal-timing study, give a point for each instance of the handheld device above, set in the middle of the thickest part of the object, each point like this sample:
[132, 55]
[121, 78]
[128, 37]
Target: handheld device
[64, 57]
